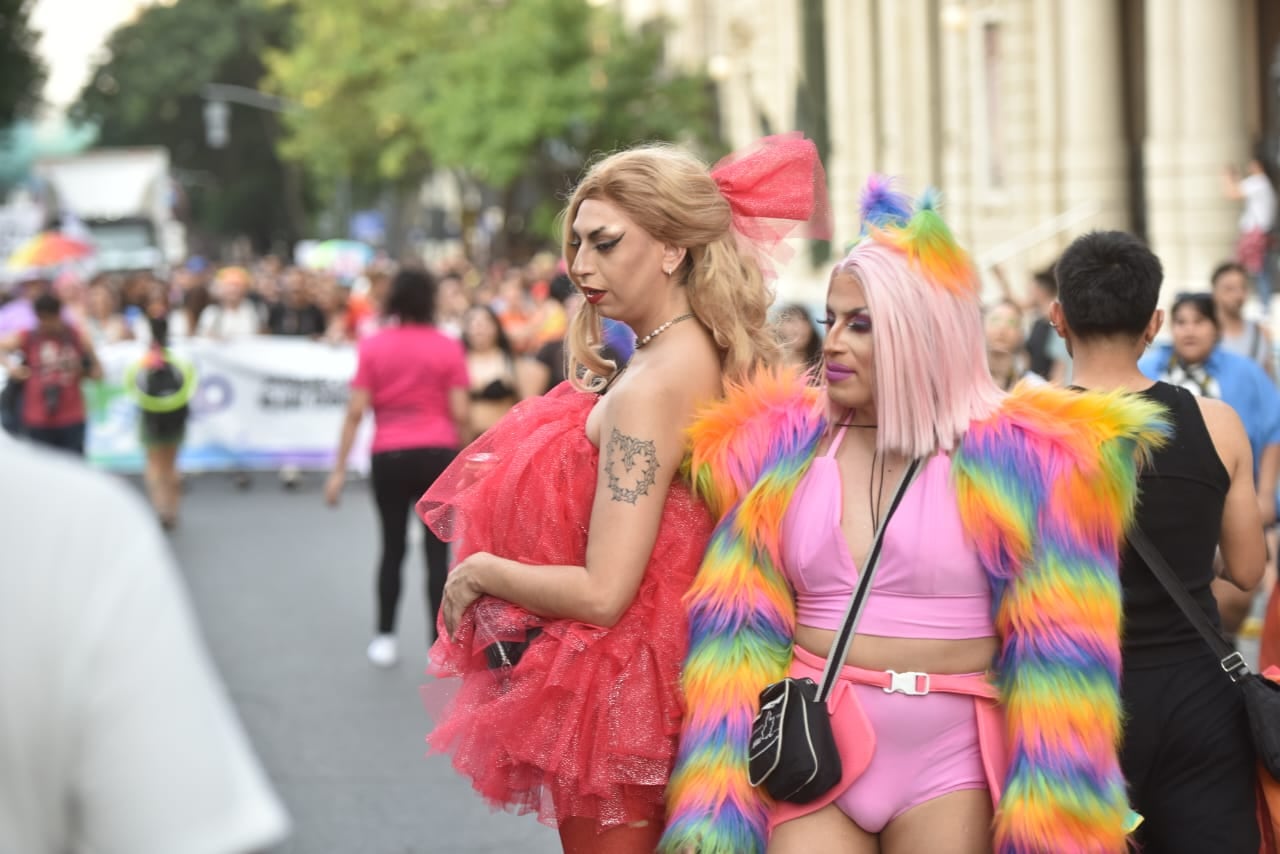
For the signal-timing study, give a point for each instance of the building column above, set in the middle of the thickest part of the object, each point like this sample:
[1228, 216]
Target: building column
[1093, 152]
[1162, 161]
[1214, 132]
[851, 72]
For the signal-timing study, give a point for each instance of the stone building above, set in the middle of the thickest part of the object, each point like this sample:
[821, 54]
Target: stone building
[1038, 119]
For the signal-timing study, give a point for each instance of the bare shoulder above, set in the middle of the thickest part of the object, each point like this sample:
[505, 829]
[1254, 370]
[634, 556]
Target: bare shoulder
[684, 374]
[1225, 428]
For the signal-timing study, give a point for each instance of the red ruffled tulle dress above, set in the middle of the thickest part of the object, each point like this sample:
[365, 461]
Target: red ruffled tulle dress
[586, 724]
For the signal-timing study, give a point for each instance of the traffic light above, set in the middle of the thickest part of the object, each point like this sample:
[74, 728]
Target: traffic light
[217, 123]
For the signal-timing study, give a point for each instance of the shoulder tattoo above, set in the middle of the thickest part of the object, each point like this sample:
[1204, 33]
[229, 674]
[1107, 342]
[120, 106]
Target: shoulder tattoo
[632, 466]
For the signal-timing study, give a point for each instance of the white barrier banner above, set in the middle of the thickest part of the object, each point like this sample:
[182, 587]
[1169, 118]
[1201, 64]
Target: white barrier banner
[259, 403]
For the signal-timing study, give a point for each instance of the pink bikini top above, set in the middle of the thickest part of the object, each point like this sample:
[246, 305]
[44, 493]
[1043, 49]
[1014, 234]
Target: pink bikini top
[929, 584]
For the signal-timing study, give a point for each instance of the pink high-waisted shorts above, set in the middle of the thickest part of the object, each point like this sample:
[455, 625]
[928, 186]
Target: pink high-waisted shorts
[899, 750]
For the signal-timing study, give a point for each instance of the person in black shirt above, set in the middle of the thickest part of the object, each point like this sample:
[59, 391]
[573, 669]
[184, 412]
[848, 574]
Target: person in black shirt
[295, 313]
[1187, 753]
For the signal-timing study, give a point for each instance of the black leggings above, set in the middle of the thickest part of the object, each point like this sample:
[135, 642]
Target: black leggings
[399, 479]
[1189, 760]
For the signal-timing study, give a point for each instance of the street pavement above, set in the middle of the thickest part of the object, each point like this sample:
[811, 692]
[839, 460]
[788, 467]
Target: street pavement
[283, 587]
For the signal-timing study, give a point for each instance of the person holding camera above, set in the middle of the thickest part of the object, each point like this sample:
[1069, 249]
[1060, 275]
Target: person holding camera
[50, 361]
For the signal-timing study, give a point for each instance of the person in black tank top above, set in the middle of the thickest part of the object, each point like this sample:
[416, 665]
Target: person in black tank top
[1184, 490]
[1187, 754]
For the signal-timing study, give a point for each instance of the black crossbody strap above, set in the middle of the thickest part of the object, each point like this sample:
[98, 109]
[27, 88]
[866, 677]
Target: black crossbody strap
[840, 647]
[1230, 659]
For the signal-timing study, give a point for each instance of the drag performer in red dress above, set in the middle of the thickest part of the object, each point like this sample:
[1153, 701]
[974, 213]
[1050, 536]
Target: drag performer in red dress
[575, 532]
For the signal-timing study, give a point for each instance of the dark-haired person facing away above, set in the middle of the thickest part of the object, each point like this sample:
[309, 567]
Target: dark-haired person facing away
[1187, 753]
[414, 377]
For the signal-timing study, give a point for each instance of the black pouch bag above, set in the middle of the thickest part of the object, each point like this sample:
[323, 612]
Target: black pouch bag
[1262, 700]
[792, 715]
[793, 752]
[503, 655]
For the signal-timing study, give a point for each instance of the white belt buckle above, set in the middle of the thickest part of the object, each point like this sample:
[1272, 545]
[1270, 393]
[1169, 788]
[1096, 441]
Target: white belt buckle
[908, 683]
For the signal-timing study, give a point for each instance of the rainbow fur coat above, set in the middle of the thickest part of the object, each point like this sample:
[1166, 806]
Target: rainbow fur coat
[1045, 488]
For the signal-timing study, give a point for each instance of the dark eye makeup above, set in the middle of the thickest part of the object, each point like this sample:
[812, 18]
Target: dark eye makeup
[859, 321]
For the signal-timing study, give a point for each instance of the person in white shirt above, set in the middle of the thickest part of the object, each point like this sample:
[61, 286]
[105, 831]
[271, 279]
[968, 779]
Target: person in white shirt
[116, 736]
[233, 315]
[1257, 220]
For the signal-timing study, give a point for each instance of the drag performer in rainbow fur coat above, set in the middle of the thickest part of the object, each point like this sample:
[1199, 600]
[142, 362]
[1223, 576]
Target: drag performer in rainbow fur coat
[1045, 488]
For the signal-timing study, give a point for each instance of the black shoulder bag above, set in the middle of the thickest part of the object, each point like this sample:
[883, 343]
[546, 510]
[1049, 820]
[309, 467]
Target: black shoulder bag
[793, 752]
[1261, 695]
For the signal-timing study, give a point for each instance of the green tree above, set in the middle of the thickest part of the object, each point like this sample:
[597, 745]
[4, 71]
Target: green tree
[343, 65]
[22, 72]
[513, 96]
[148, 91]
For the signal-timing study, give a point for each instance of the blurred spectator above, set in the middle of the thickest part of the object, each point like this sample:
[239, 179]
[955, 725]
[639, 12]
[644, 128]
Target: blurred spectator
[50, 361]
[116, 734]
[295, 313]
[365, 311]
[801, 342]
[194, 302]
[1006, 346]
[547, 322]
[328, 295]
[102, 320]
[545, 370]
[162, 389]
[232, 315]
[514, 310]
[452, 303]
[1046, 351]
[491, 365]
[1247, 338]
[1257, 220]
[415, 381]
[19, 314]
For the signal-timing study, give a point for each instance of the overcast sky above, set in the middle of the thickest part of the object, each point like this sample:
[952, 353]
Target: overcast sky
[71, 33]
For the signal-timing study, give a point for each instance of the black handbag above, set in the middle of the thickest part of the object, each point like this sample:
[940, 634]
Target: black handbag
[792, 752]
[1261, 695]
[503, 655]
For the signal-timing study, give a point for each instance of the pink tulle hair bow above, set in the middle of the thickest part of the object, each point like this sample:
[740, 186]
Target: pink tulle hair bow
[772, 188]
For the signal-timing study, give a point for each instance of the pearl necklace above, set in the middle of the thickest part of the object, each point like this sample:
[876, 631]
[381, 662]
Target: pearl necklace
[661, 329]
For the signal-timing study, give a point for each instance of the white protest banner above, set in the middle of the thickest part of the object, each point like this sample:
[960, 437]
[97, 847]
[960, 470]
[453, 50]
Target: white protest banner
[259, 403]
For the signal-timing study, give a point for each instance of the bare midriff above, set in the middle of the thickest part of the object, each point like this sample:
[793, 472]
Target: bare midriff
[925, 655]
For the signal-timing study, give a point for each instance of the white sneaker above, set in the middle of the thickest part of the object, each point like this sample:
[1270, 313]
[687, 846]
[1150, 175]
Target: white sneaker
[382, 651]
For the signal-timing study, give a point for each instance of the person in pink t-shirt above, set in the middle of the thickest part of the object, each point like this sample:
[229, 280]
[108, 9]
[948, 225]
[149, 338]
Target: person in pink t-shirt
[414, 377]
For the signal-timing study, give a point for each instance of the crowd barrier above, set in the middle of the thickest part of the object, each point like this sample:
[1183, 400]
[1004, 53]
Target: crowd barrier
[259, 404]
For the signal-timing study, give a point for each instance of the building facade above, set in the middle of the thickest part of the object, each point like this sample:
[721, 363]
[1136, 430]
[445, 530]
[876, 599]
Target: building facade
[1038, 119]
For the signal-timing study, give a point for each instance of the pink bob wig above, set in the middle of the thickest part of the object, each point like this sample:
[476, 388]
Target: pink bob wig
[931, 373]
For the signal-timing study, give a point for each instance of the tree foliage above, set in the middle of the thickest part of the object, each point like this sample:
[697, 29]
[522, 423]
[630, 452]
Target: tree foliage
[513, 96]
[148, 91]
[22, 72]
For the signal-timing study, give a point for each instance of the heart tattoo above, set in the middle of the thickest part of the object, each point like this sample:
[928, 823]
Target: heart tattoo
[632, 466]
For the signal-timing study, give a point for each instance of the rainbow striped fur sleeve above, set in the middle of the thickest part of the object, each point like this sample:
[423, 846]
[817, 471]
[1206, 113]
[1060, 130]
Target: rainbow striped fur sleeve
[1046, 489]
[748, 454]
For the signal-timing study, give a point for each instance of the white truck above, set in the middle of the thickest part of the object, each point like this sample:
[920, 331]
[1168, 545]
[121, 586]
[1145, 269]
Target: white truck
[124, 199]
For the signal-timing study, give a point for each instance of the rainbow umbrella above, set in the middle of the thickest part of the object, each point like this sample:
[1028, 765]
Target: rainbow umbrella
[346, 258]
[49, 249]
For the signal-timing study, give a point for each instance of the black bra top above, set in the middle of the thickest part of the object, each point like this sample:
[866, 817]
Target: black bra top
[495, 391]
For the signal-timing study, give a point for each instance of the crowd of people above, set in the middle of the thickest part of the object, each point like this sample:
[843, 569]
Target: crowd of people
[648, 499]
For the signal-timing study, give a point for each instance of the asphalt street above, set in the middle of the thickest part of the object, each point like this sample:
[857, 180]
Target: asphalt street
[283, 587]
